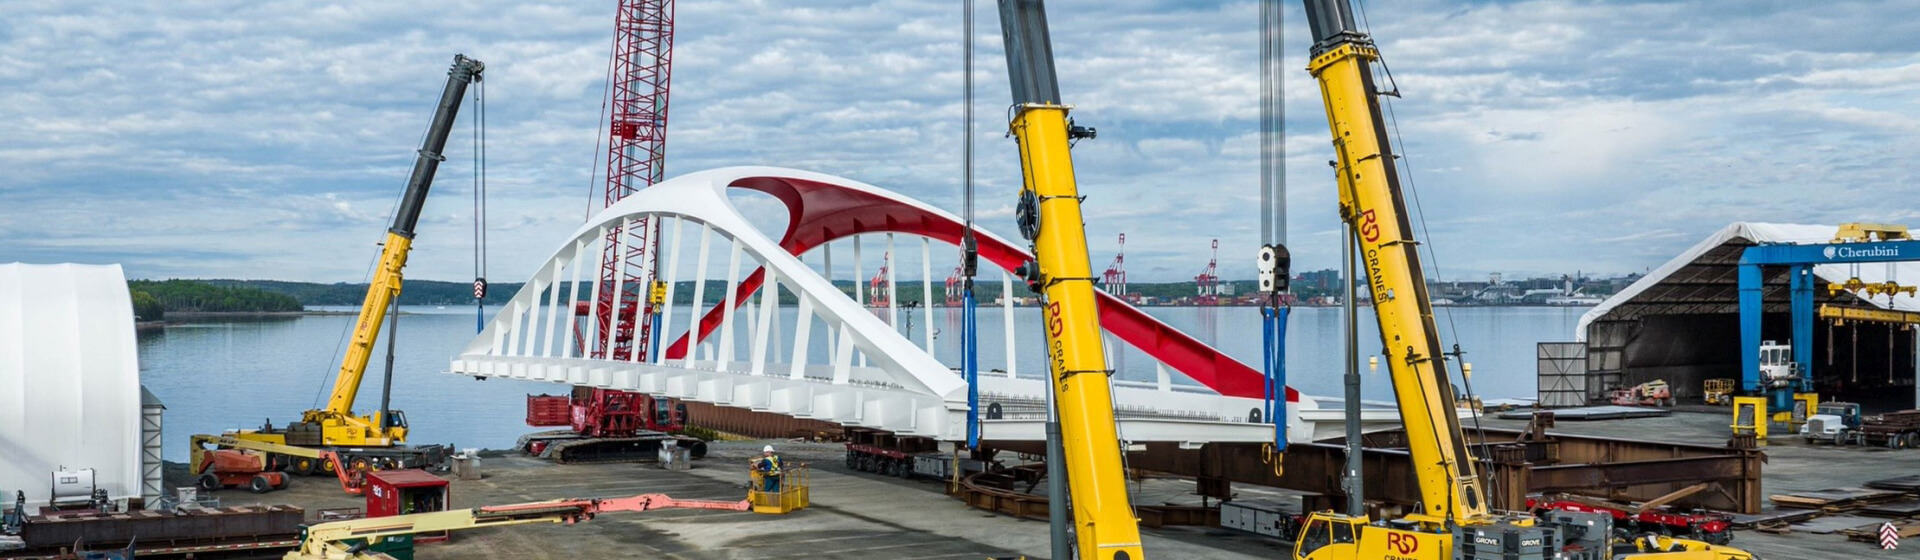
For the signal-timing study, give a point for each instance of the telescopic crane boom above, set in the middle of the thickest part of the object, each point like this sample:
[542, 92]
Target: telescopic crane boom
[1049, 216]
[340, 426]
[1454, 521]
[336, 424]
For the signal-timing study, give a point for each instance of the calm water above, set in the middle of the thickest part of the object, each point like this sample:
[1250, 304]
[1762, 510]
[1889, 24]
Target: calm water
[236, 373]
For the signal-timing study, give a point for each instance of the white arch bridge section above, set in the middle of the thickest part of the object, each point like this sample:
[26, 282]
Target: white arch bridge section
[830, 357]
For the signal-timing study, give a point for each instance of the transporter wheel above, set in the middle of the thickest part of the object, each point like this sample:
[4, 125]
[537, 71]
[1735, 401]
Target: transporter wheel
[853, 460]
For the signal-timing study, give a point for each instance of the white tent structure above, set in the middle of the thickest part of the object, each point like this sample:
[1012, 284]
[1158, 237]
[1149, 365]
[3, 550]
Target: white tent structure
[69, 379]
[1679, 322]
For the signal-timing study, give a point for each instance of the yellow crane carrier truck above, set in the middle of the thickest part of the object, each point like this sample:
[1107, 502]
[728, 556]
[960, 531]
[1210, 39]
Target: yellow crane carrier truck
[377, 440]
[1453, 521]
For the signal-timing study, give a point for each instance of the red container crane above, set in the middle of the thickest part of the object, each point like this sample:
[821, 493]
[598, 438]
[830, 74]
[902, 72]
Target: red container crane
[1208, 282]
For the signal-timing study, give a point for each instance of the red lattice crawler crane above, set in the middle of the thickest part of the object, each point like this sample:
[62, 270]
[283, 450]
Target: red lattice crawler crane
[608, 425]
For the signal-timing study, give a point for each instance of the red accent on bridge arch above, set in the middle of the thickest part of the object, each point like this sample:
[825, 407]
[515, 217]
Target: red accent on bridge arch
[822, 212]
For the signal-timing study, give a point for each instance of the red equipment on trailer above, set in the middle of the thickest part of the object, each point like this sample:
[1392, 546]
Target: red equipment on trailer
[407, 491]
[227, 468]
[1700, 525]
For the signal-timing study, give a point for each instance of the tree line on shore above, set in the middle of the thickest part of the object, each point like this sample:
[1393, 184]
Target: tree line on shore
[152, 299]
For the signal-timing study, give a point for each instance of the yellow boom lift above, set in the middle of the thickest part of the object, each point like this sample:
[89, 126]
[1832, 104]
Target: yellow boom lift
[1049, 217]
[1453, 521]
[376, 440]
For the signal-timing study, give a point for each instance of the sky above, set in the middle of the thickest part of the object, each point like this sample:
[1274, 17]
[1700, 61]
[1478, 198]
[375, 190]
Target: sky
[270, 139]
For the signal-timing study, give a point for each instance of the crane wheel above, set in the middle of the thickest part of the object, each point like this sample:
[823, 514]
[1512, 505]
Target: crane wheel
[302, 466]
[360, 464]
[209, 482]
[259, 484]
[327, 466]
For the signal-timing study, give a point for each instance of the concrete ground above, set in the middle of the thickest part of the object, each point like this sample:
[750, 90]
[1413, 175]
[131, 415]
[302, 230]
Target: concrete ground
[854, 515]
[866, 516]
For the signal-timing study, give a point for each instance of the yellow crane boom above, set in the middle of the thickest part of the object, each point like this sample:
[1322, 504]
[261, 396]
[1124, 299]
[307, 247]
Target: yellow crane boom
[1370, 202]
[335, 424]
[1050, 217]
[385, 287]
[1454, 521]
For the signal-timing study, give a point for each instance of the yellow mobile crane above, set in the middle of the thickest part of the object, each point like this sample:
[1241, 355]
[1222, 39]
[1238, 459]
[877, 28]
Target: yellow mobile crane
[375, 440]
[1049, 217]
[1454, 521]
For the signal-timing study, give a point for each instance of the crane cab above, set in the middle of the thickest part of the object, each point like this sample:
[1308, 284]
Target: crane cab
[1327, 535]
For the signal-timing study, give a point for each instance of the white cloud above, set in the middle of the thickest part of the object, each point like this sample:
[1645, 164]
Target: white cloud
[268, 139]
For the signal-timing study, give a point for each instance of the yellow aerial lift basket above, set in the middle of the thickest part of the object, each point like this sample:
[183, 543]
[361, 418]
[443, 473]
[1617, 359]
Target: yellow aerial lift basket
[1718, 391]
[791, 495]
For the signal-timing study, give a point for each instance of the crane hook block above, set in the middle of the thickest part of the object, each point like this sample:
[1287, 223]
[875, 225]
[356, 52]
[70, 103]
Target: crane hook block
[1276, 268]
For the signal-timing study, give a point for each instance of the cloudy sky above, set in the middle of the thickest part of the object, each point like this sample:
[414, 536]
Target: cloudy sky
[269, 139]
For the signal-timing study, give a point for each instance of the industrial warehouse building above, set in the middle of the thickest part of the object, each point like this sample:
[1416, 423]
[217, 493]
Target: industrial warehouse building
[70, 392]
[1680, 323]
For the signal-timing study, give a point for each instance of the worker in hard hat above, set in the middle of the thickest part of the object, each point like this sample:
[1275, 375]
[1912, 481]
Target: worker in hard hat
[768, 465]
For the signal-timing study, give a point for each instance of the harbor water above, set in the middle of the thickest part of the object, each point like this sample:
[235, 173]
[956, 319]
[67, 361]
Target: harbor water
[224, 373]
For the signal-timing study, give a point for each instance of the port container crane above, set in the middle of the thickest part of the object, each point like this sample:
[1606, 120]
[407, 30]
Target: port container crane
[1207, 283]
[1453, 521]
[1115, 277]
[377, 440]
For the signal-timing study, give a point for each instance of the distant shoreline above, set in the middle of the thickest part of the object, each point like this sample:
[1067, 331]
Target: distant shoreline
[200, 314]
[181, 317]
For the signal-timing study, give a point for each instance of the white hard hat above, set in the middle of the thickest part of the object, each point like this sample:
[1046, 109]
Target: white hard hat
[767, 449]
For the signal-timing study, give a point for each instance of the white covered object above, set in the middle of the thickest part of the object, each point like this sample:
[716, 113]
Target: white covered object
[69, 378]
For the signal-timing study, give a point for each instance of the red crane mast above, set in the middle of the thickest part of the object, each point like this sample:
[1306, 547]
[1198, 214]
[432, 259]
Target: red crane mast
[636, 150]
[606, 424]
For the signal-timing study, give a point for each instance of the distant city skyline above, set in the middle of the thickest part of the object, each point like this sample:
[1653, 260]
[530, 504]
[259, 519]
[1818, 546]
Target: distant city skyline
[1541, 137]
